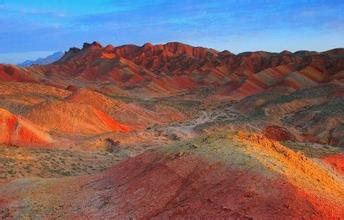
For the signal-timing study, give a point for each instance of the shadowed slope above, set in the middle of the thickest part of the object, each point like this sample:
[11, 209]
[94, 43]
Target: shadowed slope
[11, 73]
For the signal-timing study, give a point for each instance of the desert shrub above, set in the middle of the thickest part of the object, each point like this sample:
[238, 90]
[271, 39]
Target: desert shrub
[111, 146]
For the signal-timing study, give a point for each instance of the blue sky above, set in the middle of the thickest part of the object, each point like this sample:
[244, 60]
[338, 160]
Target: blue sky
[33, 28]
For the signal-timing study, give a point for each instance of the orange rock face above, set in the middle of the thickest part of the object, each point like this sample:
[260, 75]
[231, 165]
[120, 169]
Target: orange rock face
[17, 131]
[111, 123]
[66, 117]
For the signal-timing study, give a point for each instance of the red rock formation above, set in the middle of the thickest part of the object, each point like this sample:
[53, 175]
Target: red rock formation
[278, 133]
[162, 65]
[167, 69]
[20, 132]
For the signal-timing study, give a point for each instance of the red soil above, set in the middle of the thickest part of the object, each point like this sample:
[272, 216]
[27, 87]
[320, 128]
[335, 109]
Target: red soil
[278, 133]
[242, 178]
[10, 73]
[176, 185]
[336, 161]
[170, 186]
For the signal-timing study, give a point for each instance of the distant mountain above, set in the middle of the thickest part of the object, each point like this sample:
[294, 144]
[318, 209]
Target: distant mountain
[43, 61]
[172, 67]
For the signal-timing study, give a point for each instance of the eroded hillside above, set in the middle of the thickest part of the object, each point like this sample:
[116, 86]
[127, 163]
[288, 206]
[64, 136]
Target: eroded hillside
[169, 131]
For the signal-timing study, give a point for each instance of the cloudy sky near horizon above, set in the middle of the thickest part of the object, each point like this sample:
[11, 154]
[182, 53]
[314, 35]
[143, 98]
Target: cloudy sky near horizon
[36, 28]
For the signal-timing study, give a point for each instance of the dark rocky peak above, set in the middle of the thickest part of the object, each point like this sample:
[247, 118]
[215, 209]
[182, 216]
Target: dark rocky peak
[95, 44]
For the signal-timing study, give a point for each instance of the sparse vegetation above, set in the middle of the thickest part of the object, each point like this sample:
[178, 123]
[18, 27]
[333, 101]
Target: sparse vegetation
[111, 146]
[312, 150]
[25, 162]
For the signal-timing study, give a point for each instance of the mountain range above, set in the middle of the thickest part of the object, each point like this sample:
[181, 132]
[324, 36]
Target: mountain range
[42, 61]
[173, 131]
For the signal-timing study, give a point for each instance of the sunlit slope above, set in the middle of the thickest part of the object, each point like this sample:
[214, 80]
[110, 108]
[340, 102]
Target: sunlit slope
[17, 131]
[62, 116]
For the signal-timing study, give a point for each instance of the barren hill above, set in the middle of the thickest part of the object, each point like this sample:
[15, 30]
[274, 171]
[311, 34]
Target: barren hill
[74, 118]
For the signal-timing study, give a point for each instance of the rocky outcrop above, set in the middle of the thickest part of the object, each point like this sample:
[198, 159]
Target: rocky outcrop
[278, 133]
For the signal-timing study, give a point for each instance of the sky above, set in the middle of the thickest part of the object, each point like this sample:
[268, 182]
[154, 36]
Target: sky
[31, 28]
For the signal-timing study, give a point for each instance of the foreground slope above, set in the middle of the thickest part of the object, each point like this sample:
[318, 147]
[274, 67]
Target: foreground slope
[205, 177]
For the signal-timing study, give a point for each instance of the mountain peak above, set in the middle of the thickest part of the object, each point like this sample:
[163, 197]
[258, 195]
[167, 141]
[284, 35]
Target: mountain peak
[148, 45]
[286, 52]
[95, 44]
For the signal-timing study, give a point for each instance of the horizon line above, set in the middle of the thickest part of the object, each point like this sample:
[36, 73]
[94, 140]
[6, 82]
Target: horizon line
[34, 55]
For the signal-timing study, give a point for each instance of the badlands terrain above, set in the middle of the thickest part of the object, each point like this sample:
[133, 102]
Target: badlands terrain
[173, 131]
